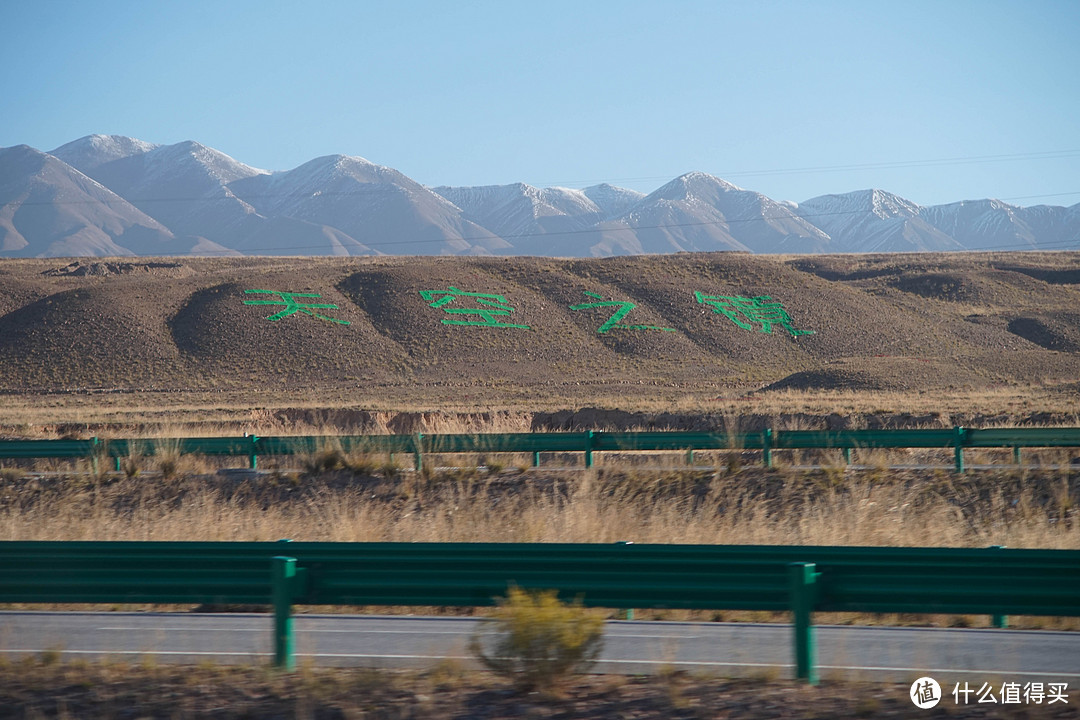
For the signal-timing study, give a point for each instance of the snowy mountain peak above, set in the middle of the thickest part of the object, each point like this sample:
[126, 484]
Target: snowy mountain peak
[347, 161]
[612, 200]
[694, 186]
[545, 201]
[885, 204]
[874, 221]
[879, 203]
[519, 209]
[569, 199]
[1000, 205]
[699, 179]
[337, 168]
[191, 154]
[91, 151]
[988, 204]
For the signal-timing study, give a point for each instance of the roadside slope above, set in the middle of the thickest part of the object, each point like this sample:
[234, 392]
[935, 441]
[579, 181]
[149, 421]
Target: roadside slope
[884, 322]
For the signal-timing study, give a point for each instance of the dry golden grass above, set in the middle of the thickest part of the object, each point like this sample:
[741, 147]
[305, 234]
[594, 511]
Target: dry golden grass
[418, 409]
[752, 506]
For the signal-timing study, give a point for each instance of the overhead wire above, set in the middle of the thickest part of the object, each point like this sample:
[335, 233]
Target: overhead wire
[968, 160]
[625, 228]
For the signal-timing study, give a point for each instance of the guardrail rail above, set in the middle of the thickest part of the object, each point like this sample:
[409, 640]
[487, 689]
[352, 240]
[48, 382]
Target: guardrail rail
[767, 441]
[802, 579]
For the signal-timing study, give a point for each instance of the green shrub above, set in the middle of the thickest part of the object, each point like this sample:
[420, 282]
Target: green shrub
[536, 640]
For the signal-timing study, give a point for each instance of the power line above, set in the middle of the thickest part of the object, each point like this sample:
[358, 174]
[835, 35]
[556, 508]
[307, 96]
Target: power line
[366, 190]
[968, 160]
[1029, 197]
[583, 231]
[976, 159]
[1073, 244]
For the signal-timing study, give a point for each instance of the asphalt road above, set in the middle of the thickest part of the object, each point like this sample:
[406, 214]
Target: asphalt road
[631, 647]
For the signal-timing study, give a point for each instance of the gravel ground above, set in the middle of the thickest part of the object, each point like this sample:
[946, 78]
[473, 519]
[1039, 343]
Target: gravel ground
[40, 688]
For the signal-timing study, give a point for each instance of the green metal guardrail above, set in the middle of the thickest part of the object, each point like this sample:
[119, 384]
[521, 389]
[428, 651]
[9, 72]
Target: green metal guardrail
[767, 441]
[993, 581]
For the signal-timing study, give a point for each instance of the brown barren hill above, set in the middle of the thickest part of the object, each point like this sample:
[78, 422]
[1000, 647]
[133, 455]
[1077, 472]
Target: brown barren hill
[92, 335]
[276, 328]
[520, 320]
[427, 331]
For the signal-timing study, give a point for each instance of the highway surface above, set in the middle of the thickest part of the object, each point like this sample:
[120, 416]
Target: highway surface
[631, 647]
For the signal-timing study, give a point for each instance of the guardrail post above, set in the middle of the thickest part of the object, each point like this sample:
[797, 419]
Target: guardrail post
[588, 449]
[628, 613]
[766, 447]
[999, 621]
[803, 583]
[536, 459]
[959, 448]
[94, 454]
[284, 573]
[1016, 454]
[418, 458]
[253, 460]
[847, 456]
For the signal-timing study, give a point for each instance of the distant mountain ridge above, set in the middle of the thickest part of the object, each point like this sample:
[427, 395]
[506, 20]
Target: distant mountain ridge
[107, 195]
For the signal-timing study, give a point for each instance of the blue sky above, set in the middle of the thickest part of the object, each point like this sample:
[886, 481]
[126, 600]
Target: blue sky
[936, 101]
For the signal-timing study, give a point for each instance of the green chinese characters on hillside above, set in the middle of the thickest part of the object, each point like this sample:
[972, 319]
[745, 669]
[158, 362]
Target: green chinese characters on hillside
[612, 323]
[748, 312]
[478, 309]
[292, 306]
[471, 308]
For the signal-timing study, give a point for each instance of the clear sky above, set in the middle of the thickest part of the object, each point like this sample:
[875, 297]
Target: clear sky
[936, 101]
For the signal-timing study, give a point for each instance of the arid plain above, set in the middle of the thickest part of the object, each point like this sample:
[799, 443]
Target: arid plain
[168, 347]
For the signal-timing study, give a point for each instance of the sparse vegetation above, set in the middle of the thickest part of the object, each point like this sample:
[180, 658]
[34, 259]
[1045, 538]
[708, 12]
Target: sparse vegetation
[537, 641]
[168, 458]
[616, 503]
[30, 688]
[130, 466]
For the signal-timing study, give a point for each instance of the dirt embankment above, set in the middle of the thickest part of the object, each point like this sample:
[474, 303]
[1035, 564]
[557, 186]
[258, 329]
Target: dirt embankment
[446, 327]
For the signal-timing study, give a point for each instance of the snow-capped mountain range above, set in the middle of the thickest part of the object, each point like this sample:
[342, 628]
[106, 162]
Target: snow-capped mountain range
[111, 195]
